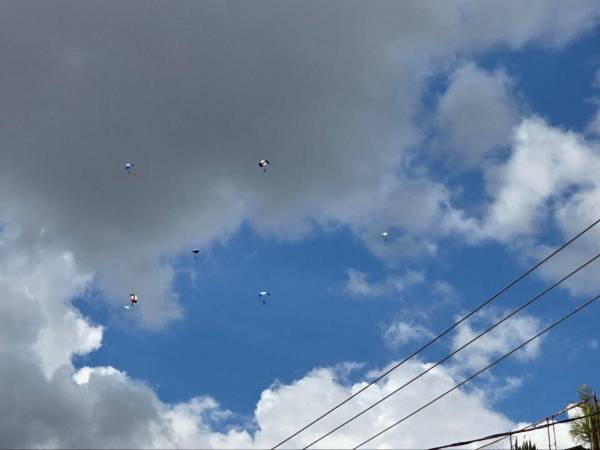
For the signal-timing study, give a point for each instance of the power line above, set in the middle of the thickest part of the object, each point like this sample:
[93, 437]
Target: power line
[446, 358]
[535, 424]
[511, 433]
[442, 334]
[506, 355]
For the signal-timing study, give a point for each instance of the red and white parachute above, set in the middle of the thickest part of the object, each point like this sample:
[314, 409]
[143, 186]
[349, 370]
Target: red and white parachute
[133, 298]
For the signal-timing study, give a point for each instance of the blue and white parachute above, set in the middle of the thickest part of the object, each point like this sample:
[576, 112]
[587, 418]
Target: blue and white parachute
[263, 296]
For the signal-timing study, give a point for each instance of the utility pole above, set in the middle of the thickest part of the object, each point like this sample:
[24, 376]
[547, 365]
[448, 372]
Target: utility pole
[595, 430]
[554, 431]
[591, 402]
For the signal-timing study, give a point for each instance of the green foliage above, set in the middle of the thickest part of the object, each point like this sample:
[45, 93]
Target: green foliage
[587, 431]
[526, 445]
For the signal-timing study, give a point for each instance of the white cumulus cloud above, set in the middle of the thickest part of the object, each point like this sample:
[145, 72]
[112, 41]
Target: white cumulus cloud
[399, 333]
[497, 342]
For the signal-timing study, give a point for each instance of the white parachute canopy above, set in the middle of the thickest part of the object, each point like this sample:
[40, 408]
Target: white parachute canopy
[263, 296]
[385, 235]
[263, 164]
[128, 166]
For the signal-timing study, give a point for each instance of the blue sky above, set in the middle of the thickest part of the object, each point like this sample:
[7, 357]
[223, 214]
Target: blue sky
[476, 147]
[232, 347]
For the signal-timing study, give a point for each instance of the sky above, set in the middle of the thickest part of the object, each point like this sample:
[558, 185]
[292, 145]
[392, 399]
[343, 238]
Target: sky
[470, 131]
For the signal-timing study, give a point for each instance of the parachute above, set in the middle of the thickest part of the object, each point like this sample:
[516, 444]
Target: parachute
[385, 235]
[263, 296]
[133, 299]
[129, 168]
[263, 164]
[195, 251]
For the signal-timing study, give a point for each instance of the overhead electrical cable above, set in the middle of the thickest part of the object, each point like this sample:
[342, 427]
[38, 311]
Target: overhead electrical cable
[512, 433]
[489, 366]
[531, 425]
[442, 334]
[450, 355]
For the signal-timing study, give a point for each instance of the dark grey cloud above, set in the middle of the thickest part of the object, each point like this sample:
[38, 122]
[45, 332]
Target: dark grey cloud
[108, 412]
[195, 93]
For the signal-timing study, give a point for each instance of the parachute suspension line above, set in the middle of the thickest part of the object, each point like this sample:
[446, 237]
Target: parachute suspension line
[442, 334]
